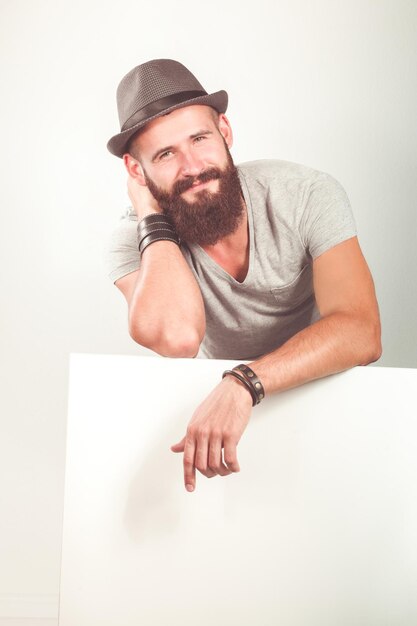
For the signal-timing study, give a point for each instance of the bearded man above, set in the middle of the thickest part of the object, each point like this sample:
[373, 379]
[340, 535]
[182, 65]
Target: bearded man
[258, 262]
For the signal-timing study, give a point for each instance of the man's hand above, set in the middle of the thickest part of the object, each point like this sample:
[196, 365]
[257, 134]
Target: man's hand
[141, 198]
[217, 423]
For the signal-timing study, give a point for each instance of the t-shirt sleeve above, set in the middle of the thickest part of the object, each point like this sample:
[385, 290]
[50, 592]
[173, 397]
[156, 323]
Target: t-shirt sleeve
[121, 254]
[327, 218]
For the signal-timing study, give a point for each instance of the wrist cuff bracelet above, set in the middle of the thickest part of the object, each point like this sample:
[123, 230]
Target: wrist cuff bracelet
[248, 377]
[161, 233]
[157, 238]
[155, 227]
[151, 218]
[242, 380]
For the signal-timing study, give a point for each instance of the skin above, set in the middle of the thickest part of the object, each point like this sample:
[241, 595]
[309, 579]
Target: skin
[348, 333]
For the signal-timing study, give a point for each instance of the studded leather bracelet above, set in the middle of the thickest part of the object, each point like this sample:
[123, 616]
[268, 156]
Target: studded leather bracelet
[251, 381]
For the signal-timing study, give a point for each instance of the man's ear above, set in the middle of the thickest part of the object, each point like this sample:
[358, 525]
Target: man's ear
[134, 168]
[226, 130]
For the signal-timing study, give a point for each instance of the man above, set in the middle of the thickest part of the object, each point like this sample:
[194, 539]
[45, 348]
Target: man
[259, 262]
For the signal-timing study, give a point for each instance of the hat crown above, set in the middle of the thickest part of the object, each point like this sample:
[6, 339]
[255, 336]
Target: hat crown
[152, 81]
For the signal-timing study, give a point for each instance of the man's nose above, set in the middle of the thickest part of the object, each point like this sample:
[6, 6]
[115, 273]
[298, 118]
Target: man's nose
[191, 164]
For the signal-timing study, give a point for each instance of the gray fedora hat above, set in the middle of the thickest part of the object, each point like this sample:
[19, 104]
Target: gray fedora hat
[153, 89]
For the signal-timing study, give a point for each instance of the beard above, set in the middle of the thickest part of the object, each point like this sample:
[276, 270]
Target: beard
[212, 215]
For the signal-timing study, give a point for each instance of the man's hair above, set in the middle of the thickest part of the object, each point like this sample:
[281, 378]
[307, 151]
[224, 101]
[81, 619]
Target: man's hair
[132, 148]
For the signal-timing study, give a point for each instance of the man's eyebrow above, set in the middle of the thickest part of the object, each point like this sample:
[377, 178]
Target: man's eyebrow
[193, 136]
[201, 132]
[160, 151]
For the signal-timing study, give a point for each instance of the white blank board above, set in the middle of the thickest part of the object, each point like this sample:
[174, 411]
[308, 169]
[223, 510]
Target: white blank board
[318, 528]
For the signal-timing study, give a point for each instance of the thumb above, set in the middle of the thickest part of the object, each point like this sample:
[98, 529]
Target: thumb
[179, 447]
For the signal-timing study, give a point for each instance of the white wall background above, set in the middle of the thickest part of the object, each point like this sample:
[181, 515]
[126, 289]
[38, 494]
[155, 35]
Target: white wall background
[326, 83]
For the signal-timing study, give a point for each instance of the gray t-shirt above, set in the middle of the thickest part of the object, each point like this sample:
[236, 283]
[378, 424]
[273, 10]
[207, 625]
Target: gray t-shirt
[295, 213]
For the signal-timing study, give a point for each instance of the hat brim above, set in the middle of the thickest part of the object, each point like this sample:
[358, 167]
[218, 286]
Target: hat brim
[117, 144]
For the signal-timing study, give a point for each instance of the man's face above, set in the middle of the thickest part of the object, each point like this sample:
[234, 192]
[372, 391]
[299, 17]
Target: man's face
[189, 170]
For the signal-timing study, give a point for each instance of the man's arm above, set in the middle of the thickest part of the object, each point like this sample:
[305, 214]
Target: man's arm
[166, 309]
[347, 334]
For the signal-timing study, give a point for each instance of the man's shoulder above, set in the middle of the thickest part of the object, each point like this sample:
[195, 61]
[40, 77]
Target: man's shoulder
[267, 170]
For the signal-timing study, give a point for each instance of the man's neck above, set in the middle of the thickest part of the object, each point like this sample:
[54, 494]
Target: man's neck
[232, 252]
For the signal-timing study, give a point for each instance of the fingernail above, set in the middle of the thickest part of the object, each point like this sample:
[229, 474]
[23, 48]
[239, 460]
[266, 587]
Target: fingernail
[189, 487]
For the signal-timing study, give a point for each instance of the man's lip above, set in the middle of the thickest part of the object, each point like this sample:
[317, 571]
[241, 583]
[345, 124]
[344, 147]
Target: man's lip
[199, 184]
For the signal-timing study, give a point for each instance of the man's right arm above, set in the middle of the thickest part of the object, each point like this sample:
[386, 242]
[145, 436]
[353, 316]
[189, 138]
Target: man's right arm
[166, 308]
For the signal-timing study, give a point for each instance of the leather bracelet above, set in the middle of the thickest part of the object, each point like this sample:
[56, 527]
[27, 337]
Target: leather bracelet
[152, 218]
[244, 381]
[248, 377]
[160, 232]
[148, 243]
[253, 380]
[148, 228]
[155, 224]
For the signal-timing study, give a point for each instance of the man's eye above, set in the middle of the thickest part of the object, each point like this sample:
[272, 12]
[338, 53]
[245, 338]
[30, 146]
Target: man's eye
[164, 154]
[200, 137]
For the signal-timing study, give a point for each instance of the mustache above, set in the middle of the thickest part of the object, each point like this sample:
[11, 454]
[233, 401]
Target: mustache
[183, 185]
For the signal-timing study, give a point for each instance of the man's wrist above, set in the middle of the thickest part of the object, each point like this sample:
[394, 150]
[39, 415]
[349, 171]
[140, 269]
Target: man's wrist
[155, 227]
[238, 387]
[249, 379]
[144, 211]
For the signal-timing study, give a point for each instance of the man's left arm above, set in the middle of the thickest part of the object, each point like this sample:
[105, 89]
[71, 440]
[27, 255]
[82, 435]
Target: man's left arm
[347, 334]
